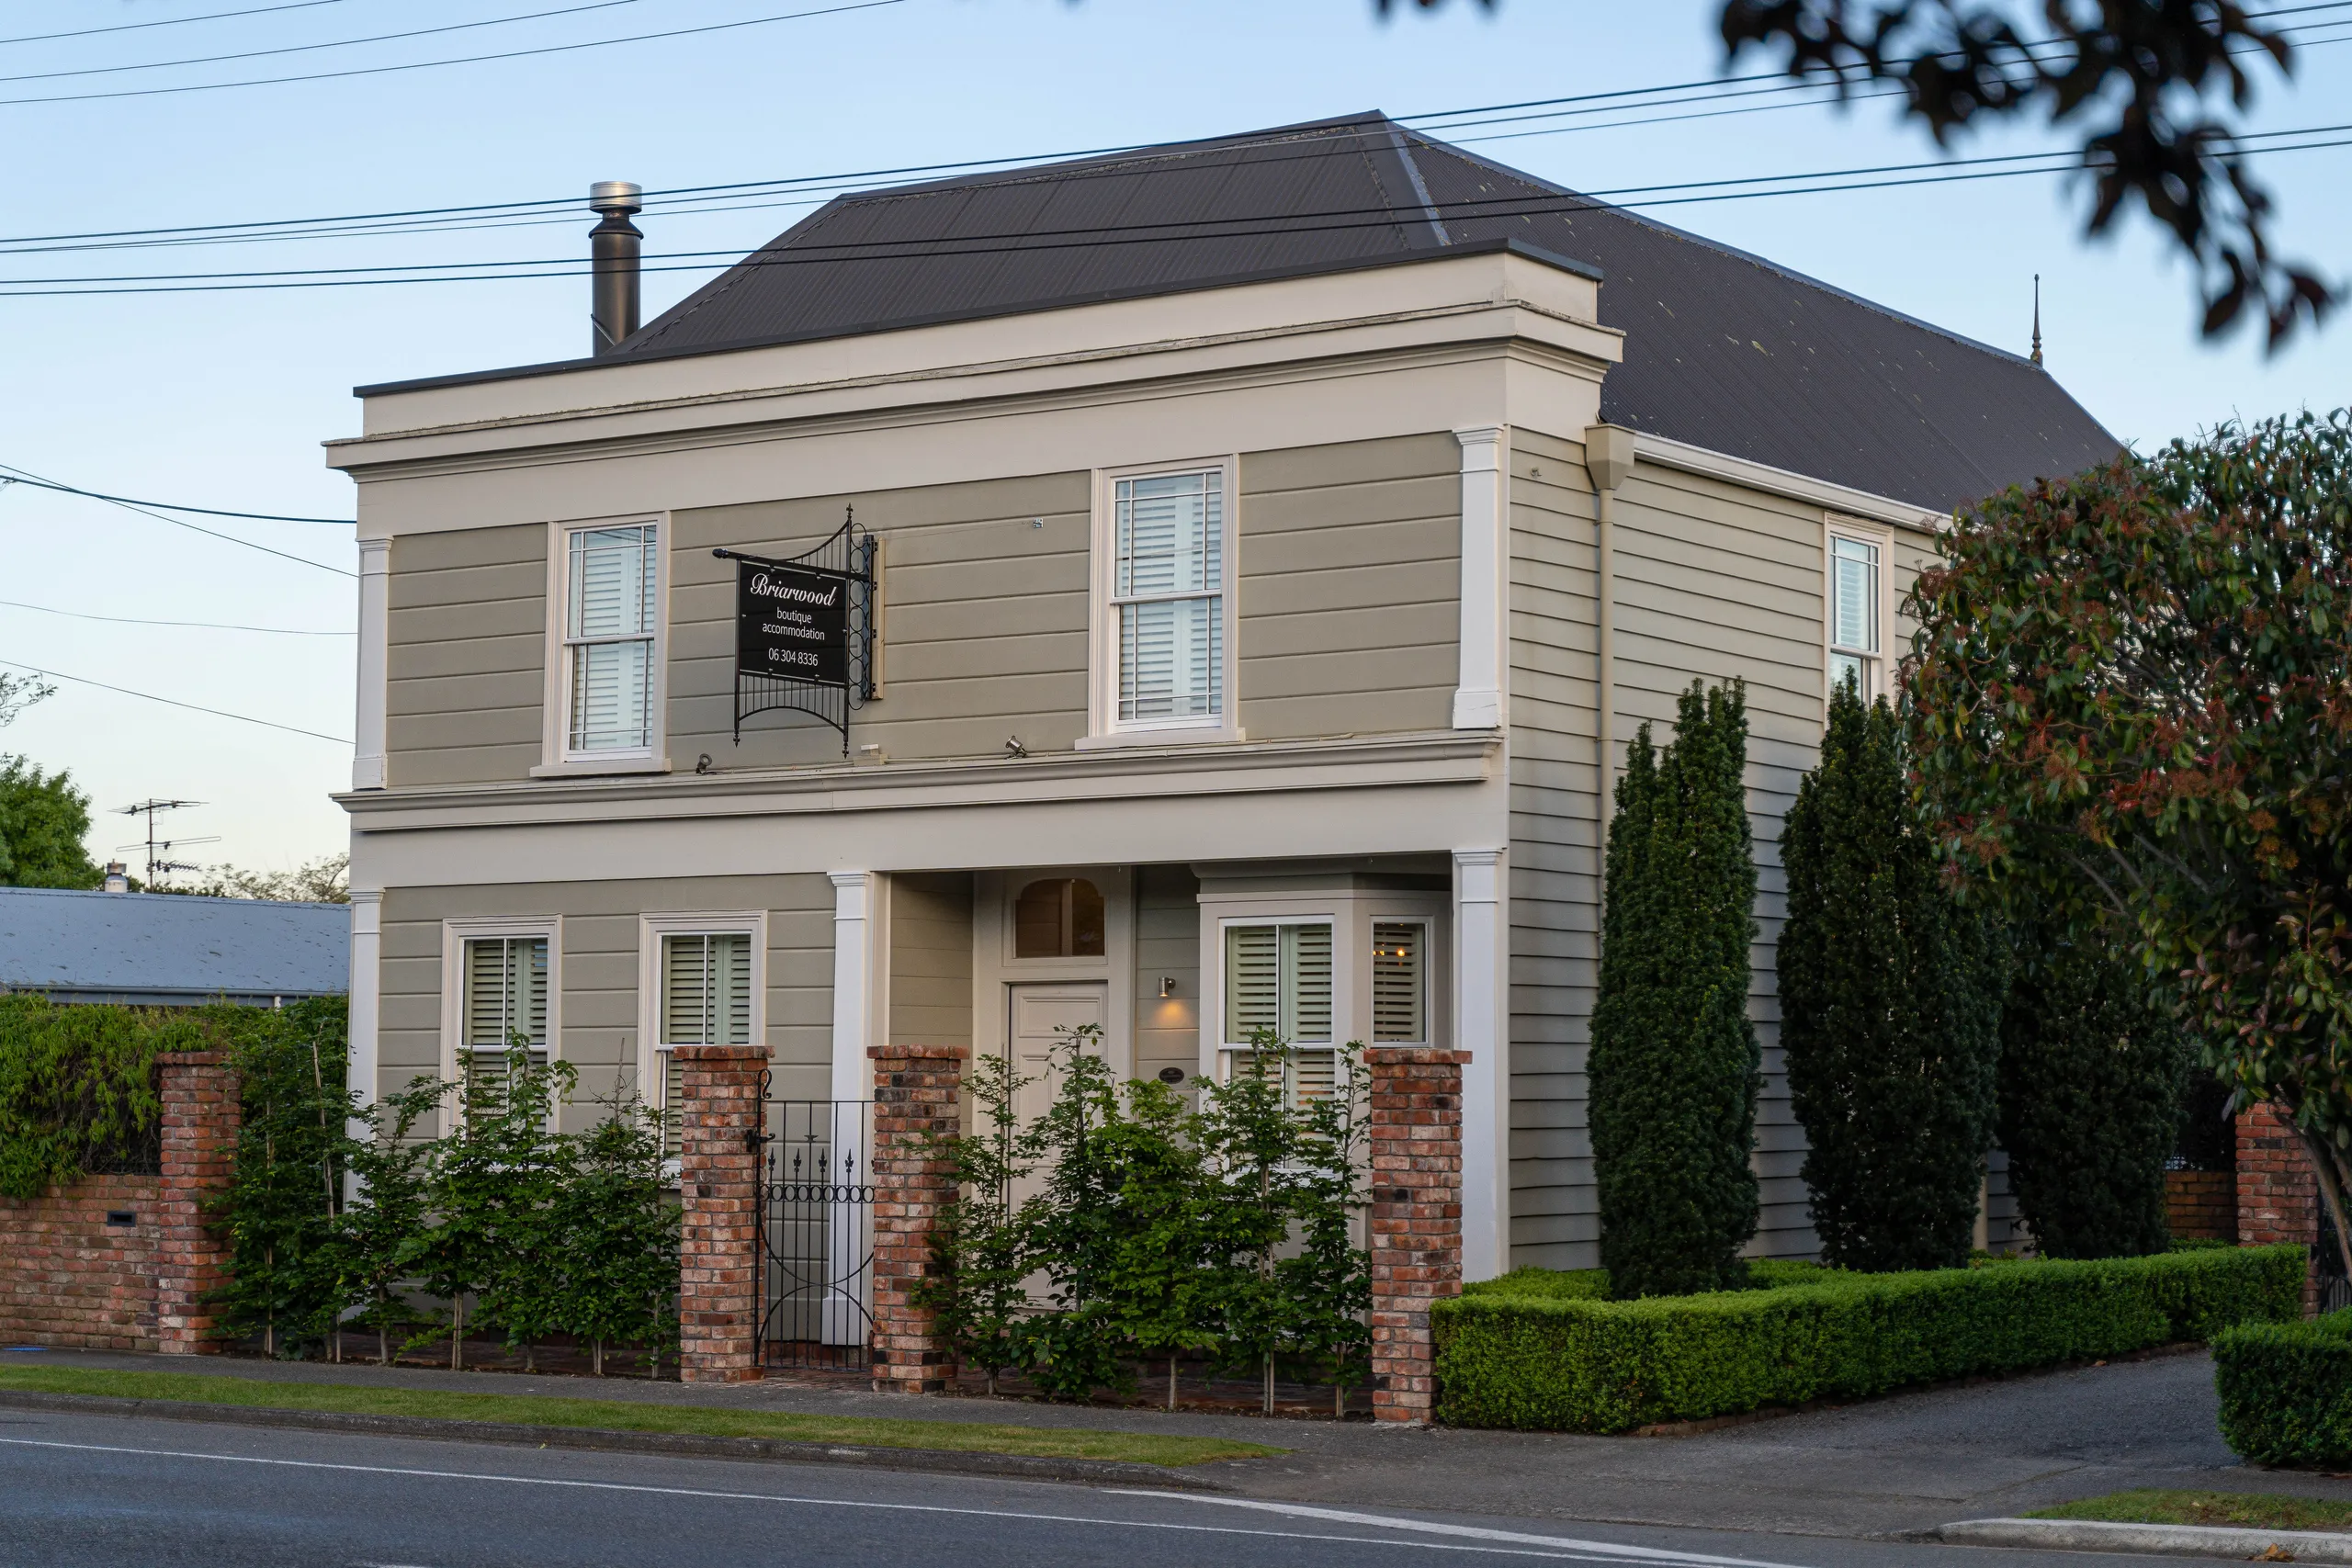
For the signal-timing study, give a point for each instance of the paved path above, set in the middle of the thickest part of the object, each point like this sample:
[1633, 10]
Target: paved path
[92, 1492]
[1873, 1469]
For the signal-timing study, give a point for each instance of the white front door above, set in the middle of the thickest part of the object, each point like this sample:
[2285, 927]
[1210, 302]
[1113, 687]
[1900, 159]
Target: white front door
[1043, 1014]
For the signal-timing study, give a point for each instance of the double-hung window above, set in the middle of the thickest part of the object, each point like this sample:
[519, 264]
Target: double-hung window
[1278, 980]
[705, 1000]
[504, 1003]
[612, 580]
[1856, 611]
[1400, 983]
[1168, 539]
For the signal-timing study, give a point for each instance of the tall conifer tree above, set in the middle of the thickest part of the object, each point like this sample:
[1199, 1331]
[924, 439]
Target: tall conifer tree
[1889, 1010]
[1673, 1066]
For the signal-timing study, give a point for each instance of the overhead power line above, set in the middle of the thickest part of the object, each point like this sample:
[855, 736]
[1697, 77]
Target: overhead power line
[170, 21]
[462, 60]
[313, 48]
[174, 507]
[142, 621]
[15, 475]
[48, 674]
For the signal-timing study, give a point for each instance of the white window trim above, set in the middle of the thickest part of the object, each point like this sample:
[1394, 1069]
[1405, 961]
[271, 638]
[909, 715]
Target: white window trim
[556, 758]
[454, 934]
[1834, 528]
[1104, 727]
[650, 930]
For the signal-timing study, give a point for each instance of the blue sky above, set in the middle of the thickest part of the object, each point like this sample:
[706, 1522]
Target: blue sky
[220, 399]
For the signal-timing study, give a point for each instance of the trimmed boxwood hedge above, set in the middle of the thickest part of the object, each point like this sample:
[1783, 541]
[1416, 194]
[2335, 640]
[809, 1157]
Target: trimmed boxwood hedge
[1560, 1359]
[2286, 1391]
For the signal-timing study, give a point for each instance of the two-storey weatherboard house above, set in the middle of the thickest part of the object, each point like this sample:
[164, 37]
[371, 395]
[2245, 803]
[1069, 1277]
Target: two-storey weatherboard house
[1275, 536]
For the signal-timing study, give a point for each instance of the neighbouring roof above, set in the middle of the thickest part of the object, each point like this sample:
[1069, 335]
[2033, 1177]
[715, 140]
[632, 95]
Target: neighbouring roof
[1723, 350]
[170, 948]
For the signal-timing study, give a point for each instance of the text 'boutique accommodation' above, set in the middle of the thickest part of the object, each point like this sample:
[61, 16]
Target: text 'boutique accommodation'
[1186, 591]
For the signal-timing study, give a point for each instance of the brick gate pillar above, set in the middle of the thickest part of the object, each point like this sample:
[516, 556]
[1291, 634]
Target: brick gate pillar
[917, 1090]
[1416, 1219]
[199, 1118]
[719, 1112]
[2278, 1197]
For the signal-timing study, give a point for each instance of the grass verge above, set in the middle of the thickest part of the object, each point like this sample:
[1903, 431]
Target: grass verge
[2252, 1510]
[616, 1416]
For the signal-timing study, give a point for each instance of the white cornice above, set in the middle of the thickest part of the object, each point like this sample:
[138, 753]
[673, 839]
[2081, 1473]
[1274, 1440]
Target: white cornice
[1763, 477]
[1344, 763]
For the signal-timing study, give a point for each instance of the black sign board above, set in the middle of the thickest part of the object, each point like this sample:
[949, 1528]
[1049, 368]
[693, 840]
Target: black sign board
[791, 623]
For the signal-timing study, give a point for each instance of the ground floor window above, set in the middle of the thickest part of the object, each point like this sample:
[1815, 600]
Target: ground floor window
[705, 1000]
[505, 999]
[1278, 977]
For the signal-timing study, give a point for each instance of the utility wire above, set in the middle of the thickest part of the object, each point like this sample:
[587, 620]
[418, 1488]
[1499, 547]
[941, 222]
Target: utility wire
[174, 506]
[138, 620]
[47, 674]
[17, 476]
[1109, 235]
[312, 48]
[169, 22]
[462, 60]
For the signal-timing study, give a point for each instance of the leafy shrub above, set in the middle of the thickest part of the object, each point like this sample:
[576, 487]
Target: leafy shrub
[2092, 1073]
[1674, 1065]
[2286, 1391]
[1568, 1364]
[77, 1089]
[1889, 1010]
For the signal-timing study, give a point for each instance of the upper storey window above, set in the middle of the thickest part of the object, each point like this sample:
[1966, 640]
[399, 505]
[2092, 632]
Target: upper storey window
[1168, 545]
[1857, 612]
[611, 591]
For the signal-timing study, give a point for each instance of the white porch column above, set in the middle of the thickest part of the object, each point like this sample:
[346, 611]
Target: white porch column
[1482, 1027]
[852, 981]
[1478, 694]
[375, 637]
[360, 1067]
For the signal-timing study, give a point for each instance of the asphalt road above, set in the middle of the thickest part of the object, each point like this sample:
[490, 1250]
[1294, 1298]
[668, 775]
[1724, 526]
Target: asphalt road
[96, 1491]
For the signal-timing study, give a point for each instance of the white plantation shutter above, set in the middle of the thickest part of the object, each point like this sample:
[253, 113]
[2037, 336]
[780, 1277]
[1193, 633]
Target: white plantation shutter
[610, 624]
[1169, 545]
[1314, 1075]
[1854, 612]
[706, 1000]
[1307, 982]
[1278, 977]
[1399, 984]
[1252, 981]
[505, 994]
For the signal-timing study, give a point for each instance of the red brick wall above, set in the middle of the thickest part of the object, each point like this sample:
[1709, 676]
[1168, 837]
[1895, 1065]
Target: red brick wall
[200, 1117]
[2277, 1198]
[2202, 1203]
[68, 1278]
[917, 1091]
[718, 1163]
[1416, 1219]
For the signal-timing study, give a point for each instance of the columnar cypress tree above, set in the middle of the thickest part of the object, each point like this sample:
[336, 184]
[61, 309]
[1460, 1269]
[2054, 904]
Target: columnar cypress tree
[2093, 1071]
[1674, 1059]
[1889, 1010]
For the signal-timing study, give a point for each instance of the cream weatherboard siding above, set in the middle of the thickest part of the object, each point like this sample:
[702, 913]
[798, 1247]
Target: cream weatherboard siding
[984, 621]
[1713, 580]
[931, 958]
[466, 658]
[1349, 577]
[597, 971]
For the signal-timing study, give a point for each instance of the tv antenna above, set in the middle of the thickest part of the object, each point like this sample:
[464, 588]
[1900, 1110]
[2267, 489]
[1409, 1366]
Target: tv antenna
[159, 862]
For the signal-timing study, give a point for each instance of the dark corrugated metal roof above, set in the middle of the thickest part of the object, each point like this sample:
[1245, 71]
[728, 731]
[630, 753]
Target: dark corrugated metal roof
[1723, 350]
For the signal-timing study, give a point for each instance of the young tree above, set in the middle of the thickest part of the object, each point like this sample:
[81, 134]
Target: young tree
[981, 1254]
[616, 1238]
[382, 1239]
[1673, 1068]
[2092, 1079]
[43, 819]
[2129, 707]
[1889, 1010]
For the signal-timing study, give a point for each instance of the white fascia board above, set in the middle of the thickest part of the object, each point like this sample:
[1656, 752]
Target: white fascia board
[1480, 296]
[1762, 477]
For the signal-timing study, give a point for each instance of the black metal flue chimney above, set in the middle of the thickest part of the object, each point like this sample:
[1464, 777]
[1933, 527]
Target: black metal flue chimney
[613, 248]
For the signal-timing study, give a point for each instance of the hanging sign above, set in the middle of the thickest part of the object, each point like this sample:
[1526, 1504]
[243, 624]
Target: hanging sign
[792, 622]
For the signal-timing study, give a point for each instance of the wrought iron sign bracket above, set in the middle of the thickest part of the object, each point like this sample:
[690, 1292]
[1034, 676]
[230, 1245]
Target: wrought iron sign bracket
[804, 629]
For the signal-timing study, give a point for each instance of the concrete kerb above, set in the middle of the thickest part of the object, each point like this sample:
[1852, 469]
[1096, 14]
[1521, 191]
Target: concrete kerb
[2159, 1540]
[684, 1445]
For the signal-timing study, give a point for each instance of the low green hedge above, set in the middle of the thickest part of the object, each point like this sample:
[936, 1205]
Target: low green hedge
[1566, 1360]
[2286, 1391]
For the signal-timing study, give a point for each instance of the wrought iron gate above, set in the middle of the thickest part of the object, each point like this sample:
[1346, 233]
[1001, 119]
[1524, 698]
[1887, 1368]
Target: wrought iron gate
[2327, 1263]
[816, 1226]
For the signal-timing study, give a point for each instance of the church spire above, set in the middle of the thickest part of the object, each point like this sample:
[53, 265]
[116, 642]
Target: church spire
[2035, 355]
